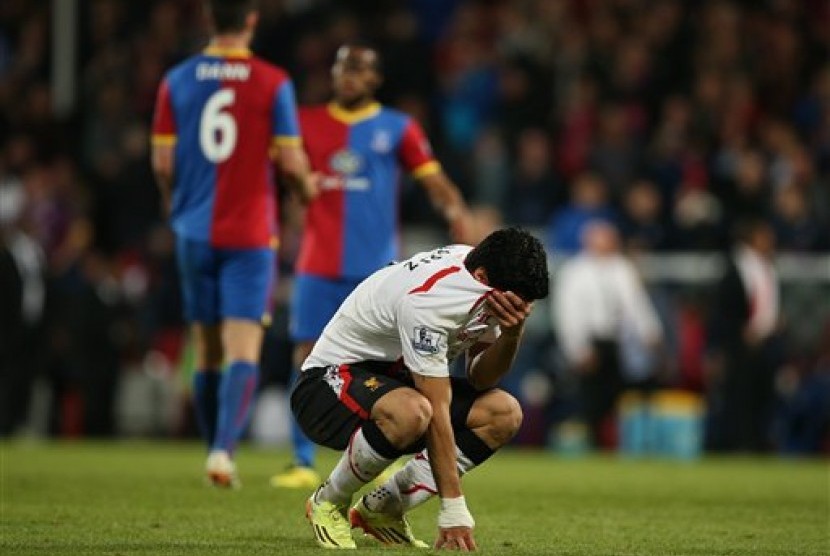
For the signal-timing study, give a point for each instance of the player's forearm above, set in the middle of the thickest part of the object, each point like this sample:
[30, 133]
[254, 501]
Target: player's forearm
[439, 435]
[299, 182]
[442, 458]
[445, 197]
[164, 181]
[163, 159]
[493, 363]
[294, 167]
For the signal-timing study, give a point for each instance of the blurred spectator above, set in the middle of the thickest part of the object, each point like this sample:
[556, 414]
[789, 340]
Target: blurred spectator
[577, 115]
[745, 326]
[747, 190]
[589, 202]
[533, 190]
[796, 227]
[669, 156]
[615, 156]
[698, 216]
[600, 304]
[23, 298]
[804, 415]
[491, 169]
[643, 227]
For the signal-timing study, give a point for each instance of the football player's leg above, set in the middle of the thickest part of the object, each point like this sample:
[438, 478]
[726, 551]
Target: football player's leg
[300, 473]
[482, 424]
[334, 406]
[314, 300]
[207, 347]
[397, 421]
[200, 302]
[246, 281]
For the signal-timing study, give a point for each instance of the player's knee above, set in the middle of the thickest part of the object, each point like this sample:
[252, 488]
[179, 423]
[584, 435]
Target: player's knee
[506, 418]
[241, 340]
[403, 416]
[207, 348]
[417, 413]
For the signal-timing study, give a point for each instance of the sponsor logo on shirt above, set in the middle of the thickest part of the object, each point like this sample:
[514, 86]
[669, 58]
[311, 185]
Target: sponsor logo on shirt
[335, 183]
[346, 162]
[426, 341]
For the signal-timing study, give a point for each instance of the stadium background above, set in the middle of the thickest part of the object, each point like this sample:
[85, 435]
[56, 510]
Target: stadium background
[722, 107]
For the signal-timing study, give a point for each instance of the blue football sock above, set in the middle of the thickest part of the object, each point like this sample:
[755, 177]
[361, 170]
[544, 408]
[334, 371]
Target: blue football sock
[205, 402]
[236, 392]
[304, 449]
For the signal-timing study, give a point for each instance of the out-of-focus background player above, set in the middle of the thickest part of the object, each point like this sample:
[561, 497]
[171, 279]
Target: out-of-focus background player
[220, 115]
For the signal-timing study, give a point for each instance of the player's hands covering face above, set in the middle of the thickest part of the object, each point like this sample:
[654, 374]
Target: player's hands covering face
[455, 538]
[510, 310]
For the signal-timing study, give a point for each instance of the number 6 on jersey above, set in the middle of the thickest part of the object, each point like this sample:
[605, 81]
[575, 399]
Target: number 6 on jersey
[217, 129]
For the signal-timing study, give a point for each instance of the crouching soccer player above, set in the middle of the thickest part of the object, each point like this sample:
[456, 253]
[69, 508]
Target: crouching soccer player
[377, 385]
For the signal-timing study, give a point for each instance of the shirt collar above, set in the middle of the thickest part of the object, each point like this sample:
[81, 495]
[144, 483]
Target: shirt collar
[353, 116]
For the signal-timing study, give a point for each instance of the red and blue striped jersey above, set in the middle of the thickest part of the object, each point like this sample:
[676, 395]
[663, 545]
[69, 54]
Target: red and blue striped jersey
[224, 110]
[351, 228]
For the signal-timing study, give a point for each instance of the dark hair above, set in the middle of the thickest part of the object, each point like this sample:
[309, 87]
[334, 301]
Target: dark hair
[229, 15]
[515, 261]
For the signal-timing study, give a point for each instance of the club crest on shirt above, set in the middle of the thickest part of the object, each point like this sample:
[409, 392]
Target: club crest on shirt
[381, 141]
[346, 162]
[426, 341]
[372, 383]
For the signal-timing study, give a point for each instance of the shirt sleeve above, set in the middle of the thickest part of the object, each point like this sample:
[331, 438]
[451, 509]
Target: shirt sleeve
[164, 122]
[285, 124]
[423, 343]
[415, 152]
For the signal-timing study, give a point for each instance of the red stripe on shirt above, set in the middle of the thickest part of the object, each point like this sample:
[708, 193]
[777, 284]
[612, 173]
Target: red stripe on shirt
[432, 280]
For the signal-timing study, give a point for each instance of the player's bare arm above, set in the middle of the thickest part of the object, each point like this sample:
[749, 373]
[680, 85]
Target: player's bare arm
[293, 164]
[163, 159]
[454, 522]
[488, 363]
[447, 199]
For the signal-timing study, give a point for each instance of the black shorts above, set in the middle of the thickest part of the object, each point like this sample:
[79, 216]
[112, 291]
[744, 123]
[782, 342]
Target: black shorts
[330, 403]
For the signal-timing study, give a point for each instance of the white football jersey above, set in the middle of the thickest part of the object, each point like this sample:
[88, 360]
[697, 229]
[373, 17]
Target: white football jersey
[426, 311]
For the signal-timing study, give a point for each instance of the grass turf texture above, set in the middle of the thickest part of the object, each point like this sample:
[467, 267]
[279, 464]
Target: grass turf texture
[149, 498]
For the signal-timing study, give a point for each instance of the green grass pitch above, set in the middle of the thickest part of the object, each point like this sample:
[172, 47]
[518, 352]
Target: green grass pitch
[148, 498]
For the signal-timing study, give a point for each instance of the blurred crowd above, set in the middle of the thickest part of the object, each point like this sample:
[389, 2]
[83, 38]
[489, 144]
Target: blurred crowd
[671, 120]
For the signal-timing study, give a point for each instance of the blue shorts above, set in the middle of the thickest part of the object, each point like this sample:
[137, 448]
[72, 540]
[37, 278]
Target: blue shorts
[224, 283]
[313, 302]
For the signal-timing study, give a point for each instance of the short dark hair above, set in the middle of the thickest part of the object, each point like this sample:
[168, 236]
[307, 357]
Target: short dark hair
[229, 15]
[515, 261]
